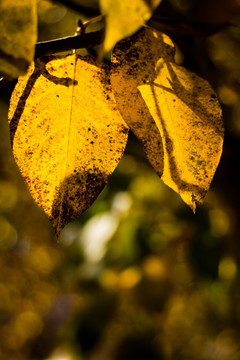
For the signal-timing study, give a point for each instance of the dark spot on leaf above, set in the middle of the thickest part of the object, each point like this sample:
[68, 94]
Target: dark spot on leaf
[124, 131]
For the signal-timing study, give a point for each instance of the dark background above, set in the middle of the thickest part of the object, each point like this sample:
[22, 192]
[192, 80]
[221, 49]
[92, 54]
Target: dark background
[137, 276]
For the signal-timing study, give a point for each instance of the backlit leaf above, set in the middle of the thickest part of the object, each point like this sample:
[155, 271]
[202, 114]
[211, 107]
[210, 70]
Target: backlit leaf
[67, 134]
[18, 35]
[124, 17]
[174, 113]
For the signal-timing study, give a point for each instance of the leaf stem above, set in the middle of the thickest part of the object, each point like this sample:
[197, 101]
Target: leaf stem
[92, 20]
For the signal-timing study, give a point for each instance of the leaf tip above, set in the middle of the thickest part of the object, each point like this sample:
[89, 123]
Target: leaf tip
[193, 200]
[196, 200]
[193, 207]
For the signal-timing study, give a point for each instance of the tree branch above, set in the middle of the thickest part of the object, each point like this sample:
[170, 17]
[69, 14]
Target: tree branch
[89, 40]
[174, 26]
[86, 41]
[92, 39]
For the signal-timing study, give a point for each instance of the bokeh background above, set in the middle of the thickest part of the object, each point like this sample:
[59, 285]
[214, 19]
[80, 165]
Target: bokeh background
[137, 276]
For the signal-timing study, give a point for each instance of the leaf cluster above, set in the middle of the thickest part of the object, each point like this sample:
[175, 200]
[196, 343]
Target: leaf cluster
[70, 115]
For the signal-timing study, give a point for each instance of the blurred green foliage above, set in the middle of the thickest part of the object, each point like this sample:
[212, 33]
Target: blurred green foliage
[137, 276]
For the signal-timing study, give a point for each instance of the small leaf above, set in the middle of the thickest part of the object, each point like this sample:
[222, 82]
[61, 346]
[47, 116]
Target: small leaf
[18, 35]
[67, 134]
[174, 113]
[124, 17]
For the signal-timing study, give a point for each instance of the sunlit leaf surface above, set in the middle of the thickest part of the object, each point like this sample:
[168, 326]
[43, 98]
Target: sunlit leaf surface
[174, 113]
[67, 134]
[124, 17]
[18, 35]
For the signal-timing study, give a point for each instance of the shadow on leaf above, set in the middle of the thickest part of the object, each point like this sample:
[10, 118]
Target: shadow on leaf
[39, 69]
[75, 195]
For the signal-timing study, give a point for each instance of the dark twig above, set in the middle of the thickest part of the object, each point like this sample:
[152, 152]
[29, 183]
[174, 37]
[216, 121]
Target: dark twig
[78, 41]
[175, 26]
[86, 41]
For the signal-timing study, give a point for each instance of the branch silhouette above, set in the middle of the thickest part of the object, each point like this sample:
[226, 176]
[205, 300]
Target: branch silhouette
[83, 41]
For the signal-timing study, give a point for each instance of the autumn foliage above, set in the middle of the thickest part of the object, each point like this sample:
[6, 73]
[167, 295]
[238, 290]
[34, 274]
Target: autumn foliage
[69, 116]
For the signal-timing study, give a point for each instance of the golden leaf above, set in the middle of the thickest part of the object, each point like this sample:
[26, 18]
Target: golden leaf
[67, 134]
[174, 113]
[124, 17]
[18, 35]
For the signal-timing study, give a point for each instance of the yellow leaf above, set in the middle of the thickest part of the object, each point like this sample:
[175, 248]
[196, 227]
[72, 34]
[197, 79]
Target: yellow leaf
[67, 134]
[18, 35]
[124, 17]
[174, 113]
